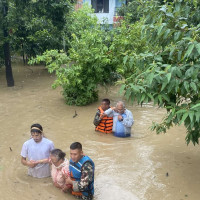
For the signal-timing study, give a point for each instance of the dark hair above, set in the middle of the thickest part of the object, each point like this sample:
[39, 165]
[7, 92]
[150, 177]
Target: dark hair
[76, 145]
[107, 101]
[38, 126]
[58, 153]
[39, 130]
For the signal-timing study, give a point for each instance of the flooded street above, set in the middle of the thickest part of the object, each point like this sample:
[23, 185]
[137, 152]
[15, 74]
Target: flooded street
[144, 167]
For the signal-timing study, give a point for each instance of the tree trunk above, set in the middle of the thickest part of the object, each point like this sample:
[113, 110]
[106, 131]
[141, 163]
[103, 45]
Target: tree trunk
[9, 75]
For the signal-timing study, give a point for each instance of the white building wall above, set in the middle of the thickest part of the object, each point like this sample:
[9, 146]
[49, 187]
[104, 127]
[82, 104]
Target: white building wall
[108, 16]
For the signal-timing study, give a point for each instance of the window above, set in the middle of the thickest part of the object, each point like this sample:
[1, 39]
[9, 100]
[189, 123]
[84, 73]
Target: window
[100, 6]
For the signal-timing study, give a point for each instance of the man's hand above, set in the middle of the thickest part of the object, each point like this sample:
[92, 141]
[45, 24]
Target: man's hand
[67, 188]
[68, 181]
[43, 161]
[114, 108]
[31, 163]
[103, 115]
[120, 118]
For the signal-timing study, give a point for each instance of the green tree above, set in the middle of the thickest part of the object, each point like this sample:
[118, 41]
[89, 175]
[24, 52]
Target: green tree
[38, 25]
[31, 27]
[88, 63]
[168, 73]
[5, 42]
[134, 10]
[1, 36]
[77, 22]
[127, 41]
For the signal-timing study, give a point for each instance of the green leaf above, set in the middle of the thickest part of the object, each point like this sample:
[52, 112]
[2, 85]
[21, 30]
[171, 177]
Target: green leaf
[163, 8]
[128, 93]
[150, 78]
[170, 15]
[131, 62]
[158, 58]
[171, 51]
[169, 118]
[193, 86]
[177, 35]
[166, 33]
[186, 85]
[125, 59]
[166, 97]
[160, 99]
[195, 106]
[181, 111]
[160, 29]
[165, 82]
[156, 100]
[150, 96]
[189, 51]
[169, 77]
[183, 26]
[143, 97]
[179, 55]
[122, 89]
[178, 72]
[135, 88]
[184, 118]
[191, 115]
[197, 115]
[197, 46]
[187, 38]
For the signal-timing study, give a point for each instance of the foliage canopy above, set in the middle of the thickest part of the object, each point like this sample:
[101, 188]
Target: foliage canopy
[169, 72]
[35, 26]
[88, 62]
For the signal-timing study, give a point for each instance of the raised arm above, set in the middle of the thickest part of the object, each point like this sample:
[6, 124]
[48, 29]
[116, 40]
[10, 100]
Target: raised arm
[109, 112]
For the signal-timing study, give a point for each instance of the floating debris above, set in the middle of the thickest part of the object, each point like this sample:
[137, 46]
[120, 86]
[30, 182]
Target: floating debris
[75, 114]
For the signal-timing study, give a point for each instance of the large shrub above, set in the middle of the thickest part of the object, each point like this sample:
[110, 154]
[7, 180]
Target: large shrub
[88, 62]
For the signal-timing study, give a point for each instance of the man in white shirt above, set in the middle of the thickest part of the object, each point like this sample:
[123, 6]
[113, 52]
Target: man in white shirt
[35, 153]
[122, 120]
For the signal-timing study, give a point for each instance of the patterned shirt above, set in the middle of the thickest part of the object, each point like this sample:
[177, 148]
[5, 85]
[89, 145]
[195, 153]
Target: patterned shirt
[87, 174]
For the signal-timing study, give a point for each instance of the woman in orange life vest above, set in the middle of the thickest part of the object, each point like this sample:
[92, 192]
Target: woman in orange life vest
[102, 122]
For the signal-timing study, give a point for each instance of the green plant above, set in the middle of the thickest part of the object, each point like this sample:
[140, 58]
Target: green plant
[168, 74]
[88, 63]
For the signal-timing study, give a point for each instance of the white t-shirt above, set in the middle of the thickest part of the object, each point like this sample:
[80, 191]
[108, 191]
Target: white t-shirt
[38, 151]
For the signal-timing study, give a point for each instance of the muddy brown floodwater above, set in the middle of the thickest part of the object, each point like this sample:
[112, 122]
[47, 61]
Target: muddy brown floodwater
[144, 167]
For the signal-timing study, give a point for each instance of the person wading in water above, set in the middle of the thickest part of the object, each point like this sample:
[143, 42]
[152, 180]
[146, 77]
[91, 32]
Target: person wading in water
[103, 123]
[81, 170]
[35, 153]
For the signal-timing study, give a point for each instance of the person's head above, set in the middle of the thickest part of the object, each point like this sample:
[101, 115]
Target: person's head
[76, 152]
[36, 132]
[120, 107]
[57, 157]
[105, 104]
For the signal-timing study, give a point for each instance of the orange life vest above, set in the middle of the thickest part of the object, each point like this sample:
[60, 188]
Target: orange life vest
[105, 124]
[75, 193]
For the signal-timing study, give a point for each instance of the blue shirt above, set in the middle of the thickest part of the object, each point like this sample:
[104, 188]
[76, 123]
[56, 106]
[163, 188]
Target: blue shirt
[121, 128]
